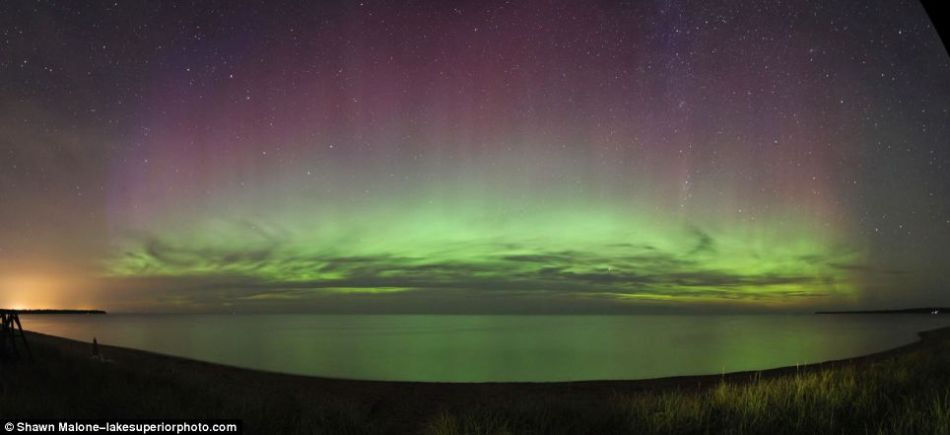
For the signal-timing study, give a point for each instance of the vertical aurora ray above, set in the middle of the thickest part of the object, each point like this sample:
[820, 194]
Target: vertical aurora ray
[509, 160]
[484, 234]
[440, 155]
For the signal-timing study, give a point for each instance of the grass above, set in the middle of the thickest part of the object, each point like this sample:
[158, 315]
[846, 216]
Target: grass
[908, 393]
[905, 392]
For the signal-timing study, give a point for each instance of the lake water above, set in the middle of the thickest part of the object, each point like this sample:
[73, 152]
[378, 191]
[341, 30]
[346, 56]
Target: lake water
[497, 348]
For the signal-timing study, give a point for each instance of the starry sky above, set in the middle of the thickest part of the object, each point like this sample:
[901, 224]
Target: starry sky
[473, 157]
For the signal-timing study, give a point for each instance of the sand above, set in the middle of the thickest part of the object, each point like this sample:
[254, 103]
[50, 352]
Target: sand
[167, 386]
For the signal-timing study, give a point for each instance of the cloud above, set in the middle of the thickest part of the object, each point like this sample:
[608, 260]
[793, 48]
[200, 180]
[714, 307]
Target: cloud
[704, 242]
[272, 272]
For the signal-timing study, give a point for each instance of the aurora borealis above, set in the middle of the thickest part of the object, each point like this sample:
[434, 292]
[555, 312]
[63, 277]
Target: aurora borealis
[442, 156]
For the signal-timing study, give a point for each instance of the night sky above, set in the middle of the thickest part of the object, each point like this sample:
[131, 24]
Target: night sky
[491, 157]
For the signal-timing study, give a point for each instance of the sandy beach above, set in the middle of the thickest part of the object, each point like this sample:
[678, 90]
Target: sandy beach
[63, 380]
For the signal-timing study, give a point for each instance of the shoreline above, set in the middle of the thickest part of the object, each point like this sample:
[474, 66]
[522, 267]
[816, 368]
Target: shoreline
[900, 390]
[924, 338]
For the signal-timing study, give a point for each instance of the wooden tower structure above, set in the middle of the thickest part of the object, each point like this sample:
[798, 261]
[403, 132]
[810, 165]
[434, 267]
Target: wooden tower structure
[10, 330]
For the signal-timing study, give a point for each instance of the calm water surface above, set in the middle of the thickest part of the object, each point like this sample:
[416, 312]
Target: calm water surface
[497, 348]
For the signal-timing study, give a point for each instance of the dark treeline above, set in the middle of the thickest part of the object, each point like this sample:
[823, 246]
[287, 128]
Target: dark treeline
[58, 311]
[931, 310]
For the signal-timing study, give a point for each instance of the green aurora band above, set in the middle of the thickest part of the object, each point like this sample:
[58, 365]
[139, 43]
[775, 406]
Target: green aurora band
[525, 249]
[476, 157]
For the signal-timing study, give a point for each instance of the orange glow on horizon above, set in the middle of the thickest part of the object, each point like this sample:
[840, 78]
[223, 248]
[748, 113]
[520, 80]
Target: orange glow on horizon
[23, 292]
